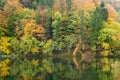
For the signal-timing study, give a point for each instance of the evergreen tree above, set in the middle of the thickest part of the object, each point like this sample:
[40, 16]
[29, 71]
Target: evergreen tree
[56, 26]
[2, 3]
[100, 14]
[48, 26]
[36, 3]
[104, 11]
[37, 18]
[57, 30]
[46, 3]
[69, 4]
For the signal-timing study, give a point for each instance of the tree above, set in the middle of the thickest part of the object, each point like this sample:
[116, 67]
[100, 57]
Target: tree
[100, 14]
[104, 11]
[56, 25]
[69, 4]
[2, 3]
[48, 26]
[32, 29]
[26, 3]
[46, 3]
[109, 36]
[36, 3]
[3, 23]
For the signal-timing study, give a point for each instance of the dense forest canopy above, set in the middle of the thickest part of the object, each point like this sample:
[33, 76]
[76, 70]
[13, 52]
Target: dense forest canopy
[59, 27]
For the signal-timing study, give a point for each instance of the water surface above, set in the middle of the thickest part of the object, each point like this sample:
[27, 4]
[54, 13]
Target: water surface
[60, 69]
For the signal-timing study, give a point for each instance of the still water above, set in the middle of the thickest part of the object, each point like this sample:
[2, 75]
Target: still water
[60, 69]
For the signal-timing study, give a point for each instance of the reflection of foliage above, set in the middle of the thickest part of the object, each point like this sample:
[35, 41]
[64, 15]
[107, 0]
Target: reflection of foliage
[25, 69]
[47, 65]
[107, 68]
[59, 69]
[4, 67]
[116, 69]
[29, 69]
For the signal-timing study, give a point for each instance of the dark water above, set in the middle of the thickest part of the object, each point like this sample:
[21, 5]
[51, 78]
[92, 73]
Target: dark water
[60, 69]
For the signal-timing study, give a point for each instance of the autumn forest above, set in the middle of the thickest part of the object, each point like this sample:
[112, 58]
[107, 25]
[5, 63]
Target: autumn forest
[47, 27]
[59, 39]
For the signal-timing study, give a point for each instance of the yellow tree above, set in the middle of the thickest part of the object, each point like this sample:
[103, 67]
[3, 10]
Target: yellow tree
[32, 29]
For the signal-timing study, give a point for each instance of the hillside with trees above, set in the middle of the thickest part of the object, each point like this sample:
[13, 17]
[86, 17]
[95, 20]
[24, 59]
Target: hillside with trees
[59, 39]
[48, 27]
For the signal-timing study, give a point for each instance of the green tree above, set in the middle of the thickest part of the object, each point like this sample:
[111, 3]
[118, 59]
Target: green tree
[100, 14]
[37, 18]
[2, 3]
[104, 11]
[46, 3]
[56, 25]
[69, 4]
[48, 26]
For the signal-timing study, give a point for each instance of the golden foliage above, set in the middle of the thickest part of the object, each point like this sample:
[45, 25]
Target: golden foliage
[105, 53]
[13, 4]
[31, 28]
[118, 37]
[34, 50]
[112, 32]
[105, 45]
[35, 62]
[47, 66]
[13, 7]
[4, 45]
[4, 70]
[106, 66]
[4, 67]
[48, 44]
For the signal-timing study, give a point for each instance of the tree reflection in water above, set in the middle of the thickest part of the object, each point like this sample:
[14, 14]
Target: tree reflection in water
[60, 69]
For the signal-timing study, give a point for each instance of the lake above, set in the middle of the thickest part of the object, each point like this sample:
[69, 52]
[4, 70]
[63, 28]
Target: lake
[49, 68]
